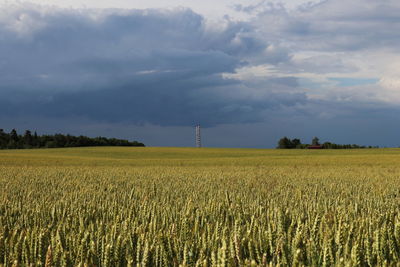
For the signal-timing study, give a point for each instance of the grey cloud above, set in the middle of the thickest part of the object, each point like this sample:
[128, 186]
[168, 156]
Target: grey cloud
[332, 25]
[324, 64]
[175, 106]
[135, 66]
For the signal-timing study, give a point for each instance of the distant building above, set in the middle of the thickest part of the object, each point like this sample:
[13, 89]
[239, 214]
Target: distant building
[315, 147]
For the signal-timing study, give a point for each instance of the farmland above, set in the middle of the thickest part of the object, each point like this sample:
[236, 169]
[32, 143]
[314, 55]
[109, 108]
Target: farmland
[199, 207]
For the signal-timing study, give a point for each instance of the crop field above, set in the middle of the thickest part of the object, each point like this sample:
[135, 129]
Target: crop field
[199, 207]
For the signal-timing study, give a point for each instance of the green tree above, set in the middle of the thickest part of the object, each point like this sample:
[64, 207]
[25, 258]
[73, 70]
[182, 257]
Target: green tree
[296, 143]
[285, 143]
[3, 139]
[28, 139]
[315, 141]
[14, 135]
[328, 145]
[35, 140]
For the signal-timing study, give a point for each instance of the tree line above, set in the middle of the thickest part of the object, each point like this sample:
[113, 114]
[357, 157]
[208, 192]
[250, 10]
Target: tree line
[13, 140]
[286, 143]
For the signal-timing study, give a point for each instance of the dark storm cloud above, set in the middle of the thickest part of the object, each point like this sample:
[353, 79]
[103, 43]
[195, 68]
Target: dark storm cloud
[138, 66]
[146, 102]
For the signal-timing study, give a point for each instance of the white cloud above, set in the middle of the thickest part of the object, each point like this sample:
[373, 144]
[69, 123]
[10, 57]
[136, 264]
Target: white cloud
[211, 9]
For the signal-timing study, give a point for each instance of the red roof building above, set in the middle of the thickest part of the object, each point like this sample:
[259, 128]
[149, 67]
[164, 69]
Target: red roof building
[315, 147]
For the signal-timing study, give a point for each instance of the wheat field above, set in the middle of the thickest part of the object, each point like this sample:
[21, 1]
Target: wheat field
[199, 207]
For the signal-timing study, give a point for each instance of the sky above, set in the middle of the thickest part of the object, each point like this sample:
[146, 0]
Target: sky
[249, 71]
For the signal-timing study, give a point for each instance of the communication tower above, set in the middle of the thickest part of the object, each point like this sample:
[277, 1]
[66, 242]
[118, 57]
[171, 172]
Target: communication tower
[198, 136]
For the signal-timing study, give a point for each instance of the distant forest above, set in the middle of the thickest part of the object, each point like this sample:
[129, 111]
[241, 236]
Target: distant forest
[13, 140]
[286, 143]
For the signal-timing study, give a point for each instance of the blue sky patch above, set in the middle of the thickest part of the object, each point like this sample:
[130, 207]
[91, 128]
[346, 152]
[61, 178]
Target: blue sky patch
[344, 82]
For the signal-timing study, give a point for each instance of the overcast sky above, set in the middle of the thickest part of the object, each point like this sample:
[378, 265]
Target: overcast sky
[248, 71]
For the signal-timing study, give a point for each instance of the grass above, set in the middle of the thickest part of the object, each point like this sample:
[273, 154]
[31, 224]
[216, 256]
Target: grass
[117, 156]
[199, 207]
